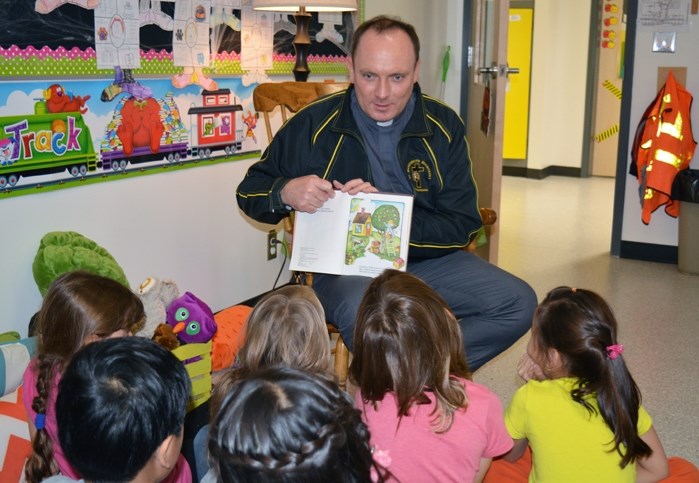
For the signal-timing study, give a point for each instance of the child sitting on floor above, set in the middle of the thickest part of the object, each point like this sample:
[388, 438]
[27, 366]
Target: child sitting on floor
[583, 420]
[78, 308]
[286, 327]
[283, 424]
[120, 409]
[428, 420]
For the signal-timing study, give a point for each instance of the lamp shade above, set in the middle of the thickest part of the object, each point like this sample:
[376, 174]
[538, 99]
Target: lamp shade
[309, 5]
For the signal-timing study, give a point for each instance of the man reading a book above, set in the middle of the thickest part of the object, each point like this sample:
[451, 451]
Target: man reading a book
[384, 134]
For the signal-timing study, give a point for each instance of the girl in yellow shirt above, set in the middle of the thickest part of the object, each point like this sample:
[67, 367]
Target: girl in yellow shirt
[580, 412]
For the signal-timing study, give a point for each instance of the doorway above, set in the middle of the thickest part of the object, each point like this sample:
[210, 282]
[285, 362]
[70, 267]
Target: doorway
[563, 108]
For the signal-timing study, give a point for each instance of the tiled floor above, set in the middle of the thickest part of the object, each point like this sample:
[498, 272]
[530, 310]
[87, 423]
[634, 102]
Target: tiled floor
[557, 231]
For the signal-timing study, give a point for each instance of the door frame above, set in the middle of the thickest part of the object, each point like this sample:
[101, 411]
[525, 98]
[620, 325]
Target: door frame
[485, 149]
[624, 129]
[592, 89]
[466, 57]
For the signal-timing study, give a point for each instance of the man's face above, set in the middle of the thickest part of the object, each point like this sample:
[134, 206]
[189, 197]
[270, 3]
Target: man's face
[383, 71]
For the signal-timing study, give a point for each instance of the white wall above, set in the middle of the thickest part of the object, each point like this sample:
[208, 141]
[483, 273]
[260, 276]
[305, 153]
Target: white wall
[662, 229]
[559, 70]
[184, 225]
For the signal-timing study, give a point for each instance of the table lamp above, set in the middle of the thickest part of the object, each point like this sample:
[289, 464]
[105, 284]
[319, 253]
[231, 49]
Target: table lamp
[301, 9]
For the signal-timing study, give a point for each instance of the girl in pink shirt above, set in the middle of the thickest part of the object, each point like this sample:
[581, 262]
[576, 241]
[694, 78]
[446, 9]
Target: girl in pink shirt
[78, 308]
[428, 421]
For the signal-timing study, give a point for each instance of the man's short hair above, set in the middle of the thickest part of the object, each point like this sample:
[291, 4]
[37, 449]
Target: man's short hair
[118, 400]
[384, 23]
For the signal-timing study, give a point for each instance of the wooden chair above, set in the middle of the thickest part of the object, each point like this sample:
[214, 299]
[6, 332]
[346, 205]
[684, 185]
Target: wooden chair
[489, 216]
[288, 98]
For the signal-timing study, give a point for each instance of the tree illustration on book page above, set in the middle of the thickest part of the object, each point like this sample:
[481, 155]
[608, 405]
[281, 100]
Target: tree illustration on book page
[385, 219]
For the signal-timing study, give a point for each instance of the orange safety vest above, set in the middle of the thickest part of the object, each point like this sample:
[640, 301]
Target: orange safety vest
[664, 145]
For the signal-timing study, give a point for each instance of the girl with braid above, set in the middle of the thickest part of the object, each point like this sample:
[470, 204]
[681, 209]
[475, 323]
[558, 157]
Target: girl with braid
[78, 308]
[579, 417]
[283, 424]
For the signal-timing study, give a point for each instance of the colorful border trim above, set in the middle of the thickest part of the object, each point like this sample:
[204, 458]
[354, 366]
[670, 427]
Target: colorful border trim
[45, 62]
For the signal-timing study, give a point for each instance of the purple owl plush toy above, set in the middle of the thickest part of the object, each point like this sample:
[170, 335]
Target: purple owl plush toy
[191, 319]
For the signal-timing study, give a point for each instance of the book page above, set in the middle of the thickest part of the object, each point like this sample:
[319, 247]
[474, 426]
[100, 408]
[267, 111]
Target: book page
[319, 238]
[360, 234]
[378, 233]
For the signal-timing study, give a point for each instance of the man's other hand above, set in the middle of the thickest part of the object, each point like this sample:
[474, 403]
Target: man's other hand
[355, 186]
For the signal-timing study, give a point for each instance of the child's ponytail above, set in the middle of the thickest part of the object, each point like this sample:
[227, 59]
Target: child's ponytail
[40, 464]
[619, 398]
[580, 325]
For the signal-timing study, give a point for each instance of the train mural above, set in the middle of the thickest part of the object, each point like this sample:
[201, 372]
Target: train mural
[52, 140]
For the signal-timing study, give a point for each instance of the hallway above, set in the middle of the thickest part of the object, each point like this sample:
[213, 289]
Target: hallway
[557, 231]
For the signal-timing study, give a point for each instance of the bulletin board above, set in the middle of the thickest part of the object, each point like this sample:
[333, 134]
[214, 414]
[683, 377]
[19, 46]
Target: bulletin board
[101, 91]
[62, 41]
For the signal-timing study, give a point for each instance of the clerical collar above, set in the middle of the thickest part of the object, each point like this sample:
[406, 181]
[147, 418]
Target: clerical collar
[401, 119]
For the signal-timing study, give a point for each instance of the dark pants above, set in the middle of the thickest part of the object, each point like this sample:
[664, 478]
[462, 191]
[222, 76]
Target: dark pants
[494, 308]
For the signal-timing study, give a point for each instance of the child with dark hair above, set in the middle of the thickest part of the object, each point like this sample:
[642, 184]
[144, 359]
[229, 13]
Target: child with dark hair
[78, 308]
[283, 424]
[428, 420]
[120, 408]
[583, 420]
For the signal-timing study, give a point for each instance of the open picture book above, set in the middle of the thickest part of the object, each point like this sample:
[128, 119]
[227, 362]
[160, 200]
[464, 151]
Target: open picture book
[360, 234]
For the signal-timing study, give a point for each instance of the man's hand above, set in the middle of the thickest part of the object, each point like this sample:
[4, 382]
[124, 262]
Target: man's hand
[307, 193]
[355, 186]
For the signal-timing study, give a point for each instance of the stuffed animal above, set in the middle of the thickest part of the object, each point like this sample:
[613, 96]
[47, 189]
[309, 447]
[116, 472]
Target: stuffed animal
[191, 319]
[156, 296]
[165, 337]
[65, 251]
[229, 336]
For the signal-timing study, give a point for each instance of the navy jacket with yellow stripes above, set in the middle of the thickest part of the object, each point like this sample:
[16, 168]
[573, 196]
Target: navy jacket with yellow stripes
[323, 139]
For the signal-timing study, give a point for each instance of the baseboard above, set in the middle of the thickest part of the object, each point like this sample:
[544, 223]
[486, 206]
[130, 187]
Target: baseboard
[523, 172]
[648, 252]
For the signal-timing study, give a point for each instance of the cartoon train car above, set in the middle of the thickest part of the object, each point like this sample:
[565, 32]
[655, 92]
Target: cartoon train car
[44, 143]
[214, 124]
[144, 130]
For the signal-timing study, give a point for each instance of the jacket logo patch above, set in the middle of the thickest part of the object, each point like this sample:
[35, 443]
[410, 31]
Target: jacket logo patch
[420, 174]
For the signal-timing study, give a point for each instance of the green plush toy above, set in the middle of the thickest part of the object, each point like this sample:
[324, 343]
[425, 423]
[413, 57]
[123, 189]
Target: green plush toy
[65, 251]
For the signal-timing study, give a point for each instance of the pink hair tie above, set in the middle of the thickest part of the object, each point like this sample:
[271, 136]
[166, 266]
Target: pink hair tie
[614, 351]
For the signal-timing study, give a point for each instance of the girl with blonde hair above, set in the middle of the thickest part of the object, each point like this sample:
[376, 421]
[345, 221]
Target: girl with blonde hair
[286, 328]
